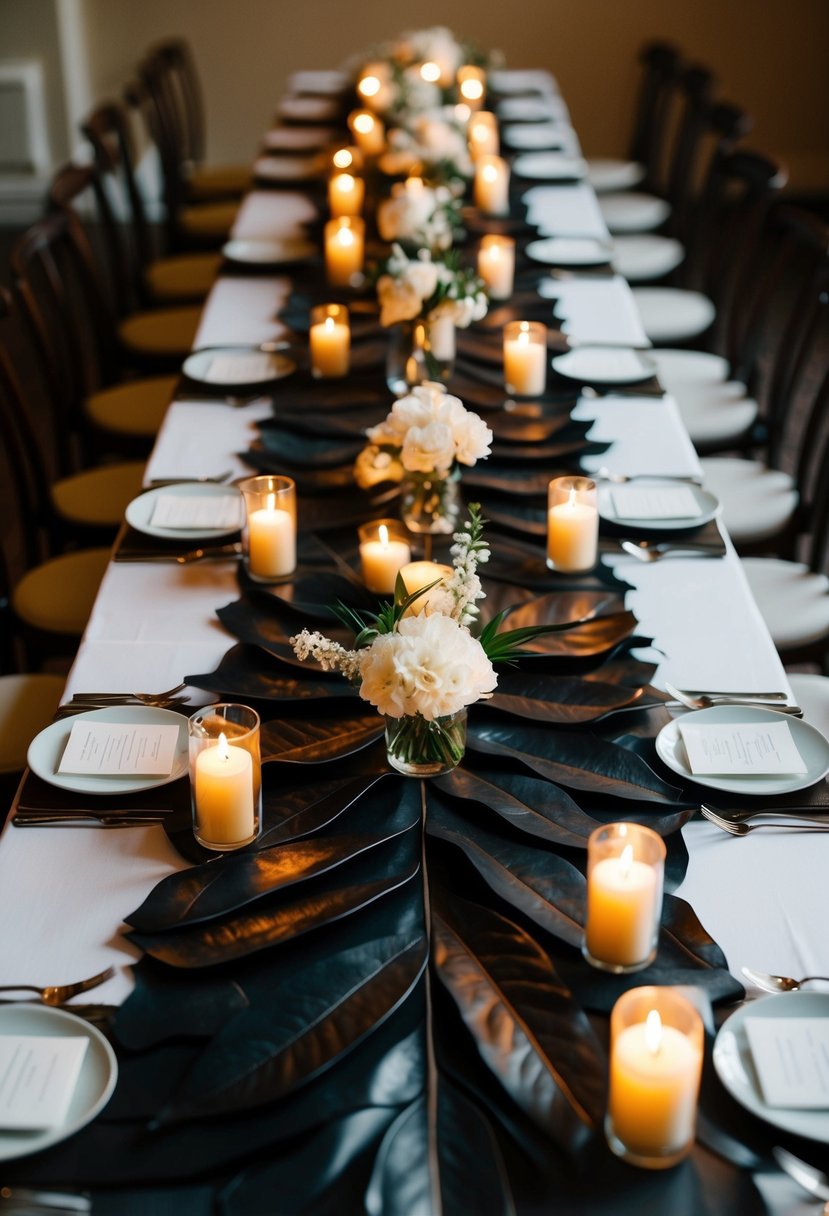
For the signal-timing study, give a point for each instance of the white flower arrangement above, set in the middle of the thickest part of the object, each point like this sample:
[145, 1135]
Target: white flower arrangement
[427, 432]
[419, 215]
[427, 287]
[431, 142]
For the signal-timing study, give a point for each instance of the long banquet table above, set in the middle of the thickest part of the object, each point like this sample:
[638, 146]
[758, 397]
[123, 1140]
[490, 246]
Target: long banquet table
[64, 892]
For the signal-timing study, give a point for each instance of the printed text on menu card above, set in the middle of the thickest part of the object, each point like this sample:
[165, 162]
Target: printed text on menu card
[745, 748]
[145, 749]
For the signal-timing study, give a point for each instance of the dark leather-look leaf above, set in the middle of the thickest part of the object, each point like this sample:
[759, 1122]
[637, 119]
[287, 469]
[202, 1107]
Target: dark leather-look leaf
[528, 804]
[310, 809]
[144, 1018]
[544, 886]
[576, 760]
[566, 700]
[259, 1056]
[245, 673]
[439, 1159]
[527, 1027]
[317, 740]
[308, 451]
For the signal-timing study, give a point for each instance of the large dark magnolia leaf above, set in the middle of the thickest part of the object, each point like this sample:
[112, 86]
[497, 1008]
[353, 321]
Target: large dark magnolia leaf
[566, 608]
[527, 1027]
[584, 641]
[529, 804]
[309, 482]
[245, 673]
[439, 1158]
[258, 621]
[311, 808]
[319, 739]
[261, 1055]
[335, 896]
[576, 760]
[350, 425]
[507, 481]
[310, 451]
[632, 673]
[504, 455]
[523, 518]
[544, 886]
[205, 1003]
[313, 594]
[567, 700]
[510, 426]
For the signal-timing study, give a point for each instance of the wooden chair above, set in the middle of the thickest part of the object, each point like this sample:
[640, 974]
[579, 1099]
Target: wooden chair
[153, 280]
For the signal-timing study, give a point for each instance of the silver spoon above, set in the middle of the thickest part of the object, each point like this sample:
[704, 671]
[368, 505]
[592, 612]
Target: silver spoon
[645, 552]
[811, 1179]
[779, 983]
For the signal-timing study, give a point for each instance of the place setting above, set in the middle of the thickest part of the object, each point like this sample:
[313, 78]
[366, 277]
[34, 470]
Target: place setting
[182, 522]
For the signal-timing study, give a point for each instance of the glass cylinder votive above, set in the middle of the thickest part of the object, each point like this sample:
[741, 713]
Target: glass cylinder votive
[625, 869]
[656, 1052]
[269, 534]
[348, 159]
[496, 266]
[490, 189]
[368, 131]
[329, 340]
[346, 194]
[422, 574]
[344, 250]
[525, 358]
[572, 524]
[471, 85]
[384, 550]
[370, 87]
[225, 776]
[482, 134]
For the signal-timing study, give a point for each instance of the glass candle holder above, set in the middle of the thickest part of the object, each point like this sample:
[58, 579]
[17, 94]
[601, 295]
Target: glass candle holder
[384, 550]
[368, 131]
[371, 88]
[490, 189]
[482, 134]
[625, 871]
[269, 534]
[344, 250]
[346, 159]
[572, 524]
[525, 358]
[471, 85]
[346, 193]
[329, 339]
[656, 1052]
[496, 266]
[422, 574]
[225, 776]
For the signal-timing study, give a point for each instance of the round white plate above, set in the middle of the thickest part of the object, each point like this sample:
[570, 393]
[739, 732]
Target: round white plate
[735, 1066]
[570, 251]
[199, 367]
[99, 1072]
[605, 365]
[298, 139]
[813, 748]
[531, 109]
[46, 749]
[285, 168]
[140, 511]
[708, 504]
[534, 137]
[268, 253]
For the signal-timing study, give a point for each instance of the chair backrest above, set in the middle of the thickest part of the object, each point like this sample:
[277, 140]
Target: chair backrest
[660, 70]
[149, 95]
[185, 92]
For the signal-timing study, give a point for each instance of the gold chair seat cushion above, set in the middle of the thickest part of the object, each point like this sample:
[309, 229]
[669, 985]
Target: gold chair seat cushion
[188, 277]
[27, 705]
[135, 408]
[218, 181]
[100, 496]
[57, 596]
[208, 221]
[164, 332]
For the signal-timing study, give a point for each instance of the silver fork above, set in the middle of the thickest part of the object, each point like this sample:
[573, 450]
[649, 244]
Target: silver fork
[56, 994]
[146, 698]
[742, 829]
[705, 701]
[808, 1176]
[644, 551]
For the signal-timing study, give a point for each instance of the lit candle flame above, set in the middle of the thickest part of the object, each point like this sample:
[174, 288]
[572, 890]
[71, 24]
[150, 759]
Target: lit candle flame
[343, 158]
[345, 182]
[328, 325]
[369, 86]
[345, 236]
[653, 1032]
[489, 173]
[270, 505]
[363, 123]
[383, 533]
[222, 746]
[430, 71]
[626, 858]
[472, 90]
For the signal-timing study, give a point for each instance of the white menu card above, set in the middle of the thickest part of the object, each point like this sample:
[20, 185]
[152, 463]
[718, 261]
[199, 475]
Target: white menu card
[201, 512]
[791, 1056]
[38, 1075]
[654, 502]
[145, 749]
[745, 748]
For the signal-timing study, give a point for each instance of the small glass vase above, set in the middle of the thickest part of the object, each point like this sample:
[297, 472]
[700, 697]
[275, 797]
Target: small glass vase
[430, 504]
[420, 748]
[420, 350]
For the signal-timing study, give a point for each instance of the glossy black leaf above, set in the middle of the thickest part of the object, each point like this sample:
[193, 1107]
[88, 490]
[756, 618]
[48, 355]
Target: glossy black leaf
[566, 700]
[246, 673]
[317, 740]
[528, 804]
[507, 481]
[206, 1003]
[527, 1027]
[439, 1158]
[306, 450]
[312, 808]
[545, 887]
[261, 1055]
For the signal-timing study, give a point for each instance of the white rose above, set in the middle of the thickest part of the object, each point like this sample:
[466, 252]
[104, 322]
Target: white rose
[428, 449]
[421, 276]
[470, 434]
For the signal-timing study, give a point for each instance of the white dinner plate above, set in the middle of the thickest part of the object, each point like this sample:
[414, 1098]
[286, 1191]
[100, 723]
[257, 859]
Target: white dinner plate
[199, 367]
[285, 168]
[308, 109]
[813, 748]
[298, 139]
[605, 365]
[531, 109]
[269, 253]
[735, 1066]
[99, 1072]
[139, 512]
[708, 508]
[46, 749]
[535, 137]
[570, 251]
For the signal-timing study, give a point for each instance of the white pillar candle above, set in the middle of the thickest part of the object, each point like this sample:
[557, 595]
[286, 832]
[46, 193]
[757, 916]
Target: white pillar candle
[330, 343]
[224, 793]
[381, 559]
[496, 266]
[525, 358]
[491, 187]
[572, 535]
[345, 194]
[344, 250]
[368, 131]
[623, 900]
[421, 574]
[471, 85]
[482, 134]
[271, 543]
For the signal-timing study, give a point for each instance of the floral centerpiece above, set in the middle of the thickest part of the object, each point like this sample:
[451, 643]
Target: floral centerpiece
[419, 215]
[423, 671]
[423, 441]
[433, 143]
